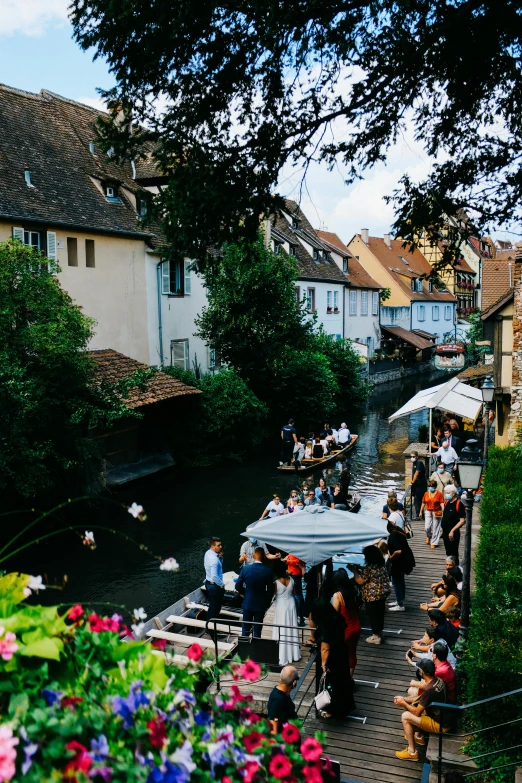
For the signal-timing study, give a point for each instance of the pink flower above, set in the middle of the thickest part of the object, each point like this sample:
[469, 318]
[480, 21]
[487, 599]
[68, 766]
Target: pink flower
[290, 733]
[252, 741]
[280, 766]
[8, 647]
[95, 623]
[226, 779]
[249, 771]
[195, 652]
[7, 753]
[311, 749]
[112, 624]
[251, 671]
[312, 775]
[76, 612]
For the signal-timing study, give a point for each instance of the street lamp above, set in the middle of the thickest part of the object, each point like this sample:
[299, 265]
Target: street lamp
[470, 467]
[488, 392]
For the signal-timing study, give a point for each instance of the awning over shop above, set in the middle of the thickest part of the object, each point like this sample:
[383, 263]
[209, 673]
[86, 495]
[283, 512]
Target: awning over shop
[409, 337]
[453, 396]
[318, 533]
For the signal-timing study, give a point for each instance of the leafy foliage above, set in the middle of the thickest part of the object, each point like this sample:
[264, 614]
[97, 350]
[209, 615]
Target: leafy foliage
[48, 397]
[475, 333]
[247, 88]
[493, 660]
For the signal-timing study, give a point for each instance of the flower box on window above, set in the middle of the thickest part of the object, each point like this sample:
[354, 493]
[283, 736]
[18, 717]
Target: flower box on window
[329, 310]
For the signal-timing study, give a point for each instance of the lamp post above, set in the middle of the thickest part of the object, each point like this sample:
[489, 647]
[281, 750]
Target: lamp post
[488, 392]
[470, 471]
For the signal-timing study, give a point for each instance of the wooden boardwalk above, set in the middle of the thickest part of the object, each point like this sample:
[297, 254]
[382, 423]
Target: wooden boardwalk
[366, 752]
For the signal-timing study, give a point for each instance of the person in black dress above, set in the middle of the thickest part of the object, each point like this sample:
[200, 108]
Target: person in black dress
[329, 633]
[453, 518]
[402, 562]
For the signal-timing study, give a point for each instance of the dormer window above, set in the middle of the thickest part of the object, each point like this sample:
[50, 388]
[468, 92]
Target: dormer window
[316, 256]
[413, 284]
[419, 286]
[141, 207]
[277, 248]
[291, 250]
[295, 223]
[430, 286]
[325, 256]
[111, 194]
[345, 265]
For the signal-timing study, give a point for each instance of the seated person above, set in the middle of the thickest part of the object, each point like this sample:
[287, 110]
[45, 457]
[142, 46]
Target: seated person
[308, 450]
[300, 505]
[453, 615]
[299, 452]
[339, 498]
[443, 669]
[419, 715]
[319, 451]
[322, 493]
[438, 587]
[450, 597]
[311, 499]
[274, 509]
[292, 500]
[386, 508]
[344, 435]
[330, 440]
[428, 641]
[442, 628]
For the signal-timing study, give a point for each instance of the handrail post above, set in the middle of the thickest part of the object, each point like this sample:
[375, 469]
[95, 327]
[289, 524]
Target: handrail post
[439, 770]
[466, 568]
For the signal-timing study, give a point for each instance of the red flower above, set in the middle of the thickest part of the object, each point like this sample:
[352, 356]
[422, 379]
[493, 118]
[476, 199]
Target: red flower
[80, 763]
[159, 644]
[195, 652]
[95, 623]
[157, 732]
[250, 715]
[226, 779]
[111, 624]
[76, 612]
[311, 749]
[249, 770]
[251, 671]
[253, 741]
[71, 701]
[312, 775]
[290, 733]
[280, 766]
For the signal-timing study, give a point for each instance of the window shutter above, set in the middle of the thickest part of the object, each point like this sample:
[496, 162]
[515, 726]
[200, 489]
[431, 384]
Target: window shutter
[187, 360]
[18, 233]
[364, 302]
[165, 277]
[375, 303]
[188, 281]
[353, 302]
[51, 245]
[179, 354]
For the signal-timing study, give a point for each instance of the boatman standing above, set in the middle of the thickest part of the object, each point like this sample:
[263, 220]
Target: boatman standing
[214, 583]
[289, 439]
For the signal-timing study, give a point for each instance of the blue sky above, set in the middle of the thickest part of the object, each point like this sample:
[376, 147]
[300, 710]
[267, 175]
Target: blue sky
[37, 51]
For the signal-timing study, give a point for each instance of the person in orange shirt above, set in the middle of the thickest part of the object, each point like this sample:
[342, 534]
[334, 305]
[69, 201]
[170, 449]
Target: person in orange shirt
[296, 569]
[432, 507]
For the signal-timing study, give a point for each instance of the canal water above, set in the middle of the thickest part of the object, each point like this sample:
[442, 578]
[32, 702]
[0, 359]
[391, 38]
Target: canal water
[185, 507]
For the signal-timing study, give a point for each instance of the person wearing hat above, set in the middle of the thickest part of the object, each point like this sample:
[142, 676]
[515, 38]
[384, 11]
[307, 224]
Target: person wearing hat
[289, 439]
[453, 518]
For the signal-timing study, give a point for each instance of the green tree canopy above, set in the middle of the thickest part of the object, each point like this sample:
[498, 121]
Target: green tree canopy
[249, 86]
[48, 398]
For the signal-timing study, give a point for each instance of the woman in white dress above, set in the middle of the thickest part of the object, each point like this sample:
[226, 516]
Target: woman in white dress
[285, 613]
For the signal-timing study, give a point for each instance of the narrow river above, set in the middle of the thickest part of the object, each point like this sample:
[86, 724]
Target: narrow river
[185, 507]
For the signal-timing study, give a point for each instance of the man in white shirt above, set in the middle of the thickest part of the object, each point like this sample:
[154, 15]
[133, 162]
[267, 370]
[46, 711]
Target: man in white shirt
[447, 455]
[274, 509]
[246, 554]
[344, 434]
[214, 584]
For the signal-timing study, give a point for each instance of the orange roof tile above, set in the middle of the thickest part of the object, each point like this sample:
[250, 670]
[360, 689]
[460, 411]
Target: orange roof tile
[497, 277]
[112, 367]
[357, 274]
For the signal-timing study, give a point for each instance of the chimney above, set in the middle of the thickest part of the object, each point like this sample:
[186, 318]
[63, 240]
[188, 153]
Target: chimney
[365, 236]
[387, 240]
[515, 416]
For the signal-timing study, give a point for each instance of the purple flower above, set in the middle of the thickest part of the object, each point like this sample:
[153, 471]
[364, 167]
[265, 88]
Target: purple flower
[102, 772]
[168, 773]
[184, 696]
[216, 753]
[126, 708]
[51, 697]
[203, 718]
[99, 748]
[29, 751]
[182, 757]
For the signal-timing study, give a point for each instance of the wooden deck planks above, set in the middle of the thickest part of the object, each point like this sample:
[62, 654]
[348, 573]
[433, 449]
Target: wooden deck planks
[367, 752]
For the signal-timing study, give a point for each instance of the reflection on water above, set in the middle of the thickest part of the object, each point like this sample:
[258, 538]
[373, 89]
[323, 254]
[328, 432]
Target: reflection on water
[186, 507]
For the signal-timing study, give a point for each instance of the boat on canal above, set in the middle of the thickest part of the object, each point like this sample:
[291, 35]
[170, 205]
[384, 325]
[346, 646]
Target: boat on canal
[314, 464]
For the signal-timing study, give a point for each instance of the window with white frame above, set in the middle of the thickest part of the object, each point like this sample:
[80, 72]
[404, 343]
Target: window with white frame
[447, 312]
[421, 313]
[419, 286]
[179, 354]
[310, 299]
[413, 284]
[39, 240]
[329, 299]
[375, 303]
[297, 293]
[214, 360]
[336, 300]
[430, 286]
[364, 302]
[291, 250]
[345, 264]
[188, 280]
[176, 278]
[435, 313]
[352, 303]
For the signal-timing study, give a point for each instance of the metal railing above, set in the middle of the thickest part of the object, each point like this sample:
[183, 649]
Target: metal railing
[459, 709]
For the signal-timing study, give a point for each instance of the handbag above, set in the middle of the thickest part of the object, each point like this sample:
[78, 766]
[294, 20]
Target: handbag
[323, 698]
[408, 530]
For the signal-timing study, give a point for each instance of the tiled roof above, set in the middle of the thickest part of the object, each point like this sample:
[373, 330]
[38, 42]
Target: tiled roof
[497, 277]
[49, 136]
[501, 302]
[357, 275]
[307, 266]
[403, 265]
[475, 372]
[461, 265]
[112, 367]
[409, 337]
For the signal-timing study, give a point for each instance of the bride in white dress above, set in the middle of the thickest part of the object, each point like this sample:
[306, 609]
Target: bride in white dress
[286, 614]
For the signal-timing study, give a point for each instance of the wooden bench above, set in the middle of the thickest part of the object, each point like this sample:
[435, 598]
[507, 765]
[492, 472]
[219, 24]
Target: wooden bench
[181, 639]
[180, 660]
[226, 612]
[195, 623]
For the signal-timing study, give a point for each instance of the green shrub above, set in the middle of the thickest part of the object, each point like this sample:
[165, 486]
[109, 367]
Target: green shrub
[493, 660]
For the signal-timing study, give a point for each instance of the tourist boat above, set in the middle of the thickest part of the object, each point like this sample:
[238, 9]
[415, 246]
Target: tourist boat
[313, 464]
[449, 356]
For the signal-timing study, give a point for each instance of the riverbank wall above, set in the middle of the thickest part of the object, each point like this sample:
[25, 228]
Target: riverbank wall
[396, 372]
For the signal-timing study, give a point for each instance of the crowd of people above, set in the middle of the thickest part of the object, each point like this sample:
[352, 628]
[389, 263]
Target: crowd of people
[333, 496]
[313, 447]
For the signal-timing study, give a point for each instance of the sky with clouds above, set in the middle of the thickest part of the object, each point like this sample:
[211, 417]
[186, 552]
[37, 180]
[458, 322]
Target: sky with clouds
[37, 51]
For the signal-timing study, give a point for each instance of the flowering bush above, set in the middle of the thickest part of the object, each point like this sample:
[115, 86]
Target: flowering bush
[78, 703]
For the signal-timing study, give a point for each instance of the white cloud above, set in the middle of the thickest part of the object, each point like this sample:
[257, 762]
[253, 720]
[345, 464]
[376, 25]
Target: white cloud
[96, 103]
[31, 17]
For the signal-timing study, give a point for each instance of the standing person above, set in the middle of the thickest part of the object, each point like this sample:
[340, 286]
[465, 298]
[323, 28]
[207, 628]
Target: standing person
[442, 477]
[447, 455]
[329, 628]
[299, 452]
[375, 588]
[455, 436]
[402, 562]
[296, 569]
[289, 439]
[436, 440]
[246, 553]
[392, 496]
[418, 480]
[285, 614]
[453, 518]
[344, 435]
[432, 505]
[280, 707]
[255, 584]
[395, 516]
[343, 601]
[453, 439]
[274, 509]
[214, 584]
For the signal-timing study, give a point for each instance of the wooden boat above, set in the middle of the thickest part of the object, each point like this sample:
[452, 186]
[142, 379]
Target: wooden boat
[313, 464]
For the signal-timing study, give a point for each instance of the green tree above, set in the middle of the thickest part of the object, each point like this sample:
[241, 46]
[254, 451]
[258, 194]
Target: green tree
[48, 397]
[346, 365]
[250, 87]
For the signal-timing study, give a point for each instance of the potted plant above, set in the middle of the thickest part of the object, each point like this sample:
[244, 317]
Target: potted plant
[328, 309]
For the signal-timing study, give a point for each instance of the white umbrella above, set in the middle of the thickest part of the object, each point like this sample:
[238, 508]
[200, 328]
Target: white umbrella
[317, 533]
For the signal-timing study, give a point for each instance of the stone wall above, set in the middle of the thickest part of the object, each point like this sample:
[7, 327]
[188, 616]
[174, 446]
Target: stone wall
[425, 369]
[515, 416]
